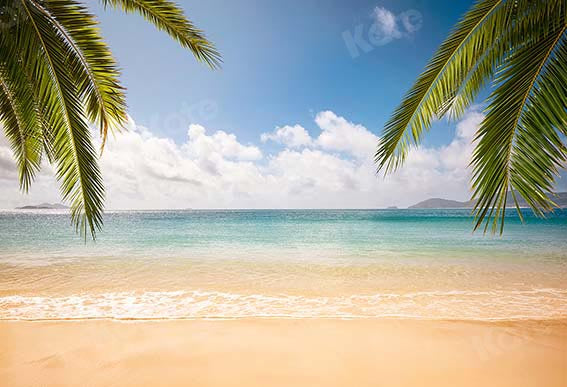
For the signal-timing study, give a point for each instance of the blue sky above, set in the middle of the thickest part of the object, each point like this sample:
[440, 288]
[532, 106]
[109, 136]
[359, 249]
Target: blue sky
[283, 63]
[292, 119]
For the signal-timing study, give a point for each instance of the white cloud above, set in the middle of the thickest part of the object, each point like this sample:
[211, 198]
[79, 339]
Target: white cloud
[340, 135]
[331, 170]
[456, 156]
[386, 23]
[388, 27]
[293, 136]
[202, 146]
[337, 134]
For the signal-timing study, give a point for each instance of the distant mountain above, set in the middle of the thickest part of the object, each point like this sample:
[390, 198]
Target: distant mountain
[44, 206]
[560, 200]
[441, 203]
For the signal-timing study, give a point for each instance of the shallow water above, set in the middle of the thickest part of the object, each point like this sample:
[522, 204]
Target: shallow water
[284, 263]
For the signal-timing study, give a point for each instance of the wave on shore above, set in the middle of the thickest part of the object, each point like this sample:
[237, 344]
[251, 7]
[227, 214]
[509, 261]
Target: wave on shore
[462, 305]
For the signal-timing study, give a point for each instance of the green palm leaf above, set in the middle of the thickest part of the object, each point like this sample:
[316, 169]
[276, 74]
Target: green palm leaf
[18, 116]
[77, 167]
[96, 75]
[57, 76]
[519, 147]
[168, 17]
[435, 88]
[519, 45]
[19, 113]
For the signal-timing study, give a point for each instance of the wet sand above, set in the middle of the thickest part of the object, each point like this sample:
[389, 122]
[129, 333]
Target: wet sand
[278, 352]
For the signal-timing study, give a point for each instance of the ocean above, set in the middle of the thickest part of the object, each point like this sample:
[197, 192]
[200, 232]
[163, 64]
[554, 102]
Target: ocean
[209, 264]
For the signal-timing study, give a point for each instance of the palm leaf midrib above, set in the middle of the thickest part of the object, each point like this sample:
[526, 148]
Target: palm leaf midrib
[86, 64]
[63, 102]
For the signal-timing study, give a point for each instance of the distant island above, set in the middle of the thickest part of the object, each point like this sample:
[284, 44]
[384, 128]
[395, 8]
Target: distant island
[442, 203]
[392, 208]
[560, 200]
[44, 206]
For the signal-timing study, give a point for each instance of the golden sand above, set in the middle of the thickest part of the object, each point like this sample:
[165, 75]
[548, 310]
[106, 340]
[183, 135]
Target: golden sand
[308, 352]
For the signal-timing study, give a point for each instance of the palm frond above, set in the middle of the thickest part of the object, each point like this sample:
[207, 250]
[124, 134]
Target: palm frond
[436, 86]
[169, 17]
[19, 114]
[18, 117]
[96, 73]
[524, 17]
[518, 145]
[518, 46]
[50, 58]
[57, 75]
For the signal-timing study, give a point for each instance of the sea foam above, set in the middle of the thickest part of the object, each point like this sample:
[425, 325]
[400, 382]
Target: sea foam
[197, 304]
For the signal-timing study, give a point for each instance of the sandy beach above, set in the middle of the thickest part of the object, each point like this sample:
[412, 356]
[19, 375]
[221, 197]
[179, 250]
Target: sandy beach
[278, 352]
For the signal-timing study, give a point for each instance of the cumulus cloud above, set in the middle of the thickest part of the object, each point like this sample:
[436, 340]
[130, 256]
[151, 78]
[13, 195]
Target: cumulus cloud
[220, 143]
[386, 23]
[341, 135]
[213, 169]
[456, 156]
[337, 134]
[293, 136]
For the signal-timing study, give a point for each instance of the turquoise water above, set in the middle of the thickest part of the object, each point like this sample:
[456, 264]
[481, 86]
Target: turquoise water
[282, 263]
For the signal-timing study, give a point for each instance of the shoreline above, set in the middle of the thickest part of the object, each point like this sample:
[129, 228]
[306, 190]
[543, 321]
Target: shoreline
[281, 352]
